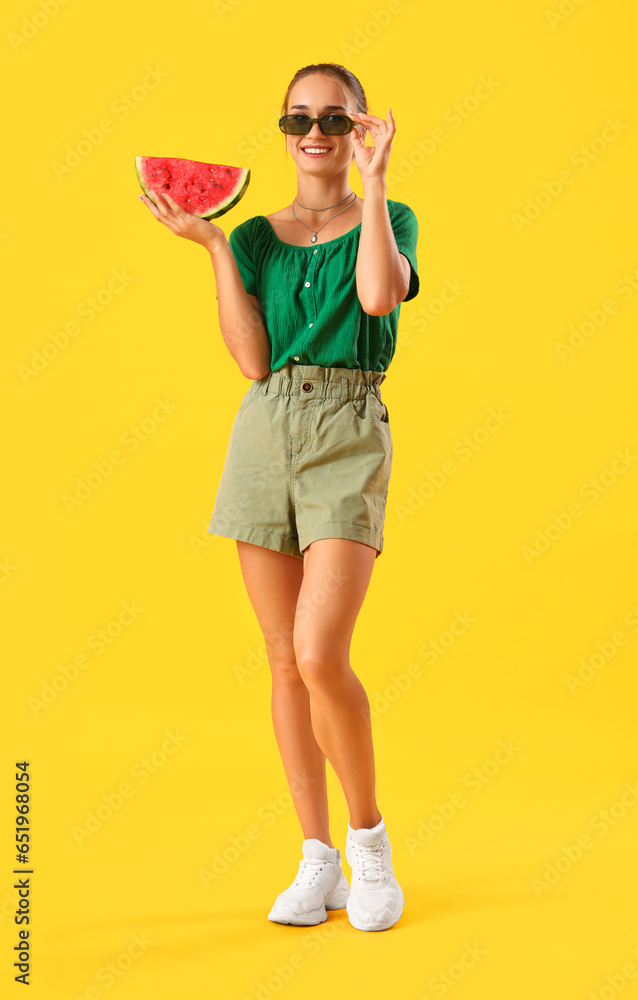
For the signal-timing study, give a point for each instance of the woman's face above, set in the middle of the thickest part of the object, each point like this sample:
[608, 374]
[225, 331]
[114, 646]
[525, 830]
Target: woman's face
[316, 95]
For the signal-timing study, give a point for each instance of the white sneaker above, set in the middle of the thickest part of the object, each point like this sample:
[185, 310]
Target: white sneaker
[320, 885]
[376, 900]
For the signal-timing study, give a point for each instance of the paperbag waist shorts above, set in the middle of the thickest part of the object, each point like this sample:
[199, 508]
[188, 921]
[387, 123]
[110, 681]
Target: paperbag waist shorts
[309, 456]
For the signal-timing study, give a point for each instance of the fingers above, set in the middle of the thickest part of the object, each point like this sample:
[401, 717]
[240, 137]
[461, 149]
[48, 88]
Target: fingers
[160, 209]
[150, 205]
[160, 204]
[165, 204]
[371, 121]
[372, 118]
[168, 207]
[176, 208]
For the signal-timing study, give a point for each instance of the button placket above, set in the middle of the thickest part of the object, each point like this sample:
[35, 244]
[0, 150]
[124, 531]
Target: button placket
[308, 283]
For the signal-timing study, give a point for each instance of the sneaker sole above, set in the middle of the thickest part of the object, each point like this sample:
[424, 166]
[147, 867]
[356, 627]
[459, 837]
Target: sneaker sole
[299, 919]
[390, 922]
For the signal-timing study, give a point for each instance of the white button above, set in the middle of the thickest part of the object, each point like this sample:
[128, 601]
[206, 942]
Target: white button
[314, 251]
[296, 358]
[310, 324]
[307, 284]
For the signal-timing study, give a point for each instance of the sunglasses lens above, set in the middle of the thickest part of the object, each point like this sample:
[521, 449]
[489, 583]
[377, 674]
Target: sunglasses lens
[335, 124]
[330, 124]
[295, 124]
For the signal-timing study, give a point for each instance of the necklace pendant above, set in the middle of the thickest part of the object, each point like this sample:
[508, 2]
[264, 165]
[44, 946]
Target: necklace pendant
[313, 239]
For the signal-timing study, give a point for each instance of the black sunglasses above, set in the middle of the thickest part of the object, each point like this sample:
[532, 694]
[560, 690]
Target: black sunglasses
[329, 124]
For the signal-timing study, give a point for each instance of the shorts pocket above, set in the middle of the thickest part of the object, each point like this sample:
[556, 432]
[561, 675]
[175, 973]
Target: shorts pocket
[249, 398]
[370, 407]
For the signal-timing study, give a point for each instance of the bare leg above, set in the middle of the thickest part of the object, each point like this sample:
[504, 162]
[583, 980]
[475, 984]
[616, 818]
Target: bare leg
[273, 581]
[336, 577]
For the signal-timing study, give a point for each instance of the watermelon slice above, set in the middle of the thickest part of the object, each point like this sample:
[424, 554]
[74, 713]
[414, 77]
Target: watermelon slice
[203, 189]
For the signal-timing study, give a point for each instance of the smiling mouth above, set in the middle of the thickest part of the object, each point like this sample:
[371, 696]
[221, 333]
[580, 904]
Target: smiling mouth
[320, 150]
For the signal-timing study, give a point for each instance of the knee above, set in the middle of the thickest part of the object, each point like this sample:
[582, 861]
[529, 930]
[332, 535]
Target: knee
[320, 668]
[284, 670]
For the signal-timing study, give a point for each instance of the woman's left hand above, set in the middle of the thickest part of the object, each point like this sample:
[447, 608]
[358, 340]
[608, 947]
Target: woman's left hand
[372, 161]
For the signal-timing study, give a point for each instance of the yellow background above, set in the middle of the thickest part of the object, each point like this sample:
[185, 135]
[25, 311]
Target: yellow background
[191, 663]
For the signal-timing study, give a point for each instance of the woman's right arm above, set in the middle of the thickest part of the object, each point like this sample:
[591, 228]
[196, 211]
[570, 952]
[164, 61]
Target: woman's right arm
[240, 317]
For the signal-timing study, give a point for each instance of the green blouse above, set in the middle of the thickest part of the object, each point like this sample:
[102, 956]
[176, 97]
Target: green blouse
[308, 294]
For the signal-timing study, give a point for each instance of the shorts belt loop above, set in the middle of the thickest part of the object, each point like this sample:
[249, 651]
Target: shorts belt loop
[267, 383]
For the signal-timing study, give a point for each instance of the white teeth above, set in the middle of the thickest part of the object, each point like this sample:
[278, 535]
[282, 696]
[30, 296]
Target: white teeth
[315, 152]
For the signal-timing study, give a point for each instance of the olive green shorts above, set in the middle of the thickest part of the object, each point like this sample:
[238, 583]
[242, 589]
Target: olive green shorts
[309, 456]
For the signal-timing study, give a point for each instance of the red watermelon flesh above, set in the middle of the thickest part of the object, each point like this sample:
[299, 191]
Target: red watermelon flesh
[203, 189]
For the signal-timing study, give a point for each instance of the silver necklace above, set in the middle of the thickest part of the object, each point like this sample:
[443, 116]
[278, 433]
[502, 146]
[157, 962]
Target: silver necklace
[327, 206]
[313, 239]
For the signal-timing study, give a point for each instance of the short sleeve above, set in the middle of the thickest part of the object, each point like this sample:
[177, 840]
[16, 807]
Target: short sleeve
[239, 241]
[406, 231]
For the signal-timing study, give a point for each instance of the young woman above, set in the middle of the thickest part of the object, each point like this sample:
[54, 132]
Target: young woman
[308, 301]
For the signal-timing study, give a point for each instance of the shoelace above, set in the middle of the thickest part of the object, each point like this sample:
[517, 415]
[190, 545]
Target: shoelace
[310, 870]
[370, 862]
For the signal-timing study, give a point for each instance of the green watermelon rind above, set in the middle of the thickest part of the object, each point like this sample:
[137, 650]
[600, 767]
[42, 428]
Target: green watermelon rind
[236, 195]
